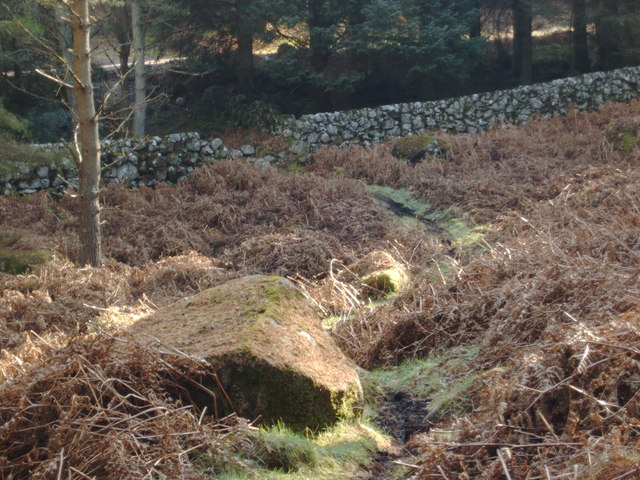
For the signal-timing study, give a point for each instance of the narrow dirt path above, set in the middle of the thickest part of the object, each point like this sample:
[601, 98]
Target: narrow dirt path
[401, 416]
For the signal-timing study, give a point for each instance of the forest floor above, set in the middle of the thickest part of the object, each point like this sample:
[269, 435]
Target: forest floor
[512, 354]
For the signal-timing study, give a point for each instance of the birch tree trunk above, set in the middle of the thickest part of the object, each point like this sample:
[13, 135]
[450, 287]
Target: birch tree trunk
[140, 106]
[89, 148]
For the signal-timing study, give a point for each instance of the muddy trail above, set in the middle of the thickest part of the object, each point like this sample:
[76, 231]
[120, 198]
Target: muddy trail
[401, 211]
[401, 416]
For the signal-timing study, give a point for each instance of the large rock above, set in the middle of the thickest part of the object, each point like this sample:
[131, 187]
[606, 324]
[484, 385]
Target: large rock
[268, 348]
[416, 148]
[387, 278]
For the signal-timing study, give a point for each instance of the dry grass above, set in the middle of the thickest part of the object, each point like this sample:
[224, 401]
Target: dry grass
[62, 298]
[170, 242]
[553, 300]
[113, 409]
[216, 210]
[566, 406]
[557, 308]
[577, 254]
[504, 171]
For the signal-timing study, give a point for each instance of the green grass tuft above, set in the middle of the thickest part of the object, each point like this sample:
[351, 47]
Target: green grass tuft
[16, 261]
[444, 380]
[281, 449]
[623, 136]
[337, 453]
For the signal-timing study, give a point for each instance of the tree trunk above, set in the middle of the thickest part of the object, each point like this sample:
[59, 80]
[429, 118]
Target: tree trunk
[244, 54]
[89, 149]
[613, 39]
[140, 107]
[124, 52]
[522, 41]
[580, 52]
[318, 25]
[244, 60]
[475, 29]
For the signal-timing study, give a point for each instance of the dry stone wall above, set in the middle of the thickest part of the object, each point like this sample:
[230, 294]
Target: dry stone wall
[174, 157]
[169, 159]
[468, 114]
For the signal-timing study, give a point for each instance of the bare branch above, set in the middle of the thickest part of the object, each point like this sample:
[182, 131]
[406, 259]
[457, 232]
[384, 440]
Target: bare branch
[50, 50]
[34, 95]
[57, 80]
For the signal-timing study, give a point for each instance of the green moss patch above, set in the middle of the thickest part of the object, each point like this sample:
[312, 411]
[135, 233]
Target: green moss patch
[414, 212]
[15, 260]
[444, 379]
[452, 220]
[276, 394]
[405, 198]
[416, 148]
[623, 136]
[387, 282]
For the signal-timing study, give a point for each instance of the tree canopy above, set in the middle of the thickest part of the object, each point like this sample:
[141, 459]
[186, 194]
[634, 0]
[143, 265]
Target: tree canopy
[240, 60]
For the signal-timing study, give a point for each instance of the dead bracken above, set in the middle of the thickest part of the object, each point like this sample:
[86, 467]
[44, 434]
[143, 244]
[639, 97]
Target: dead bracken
[548, 297]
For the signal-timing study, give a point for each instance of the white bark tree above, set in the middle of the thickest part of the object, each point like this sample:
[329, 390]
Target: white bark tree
[65, 45]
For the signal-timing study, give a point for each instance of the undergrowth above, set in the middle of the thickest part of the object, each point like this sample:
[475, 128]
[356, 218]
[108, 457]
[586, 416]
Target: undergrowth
[548, 306]
[14, 155]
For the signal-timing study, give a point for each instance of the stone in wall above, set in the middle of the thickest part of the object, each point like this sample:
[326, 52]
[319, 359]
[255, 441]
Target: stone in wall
[170, 159]
[467, 114]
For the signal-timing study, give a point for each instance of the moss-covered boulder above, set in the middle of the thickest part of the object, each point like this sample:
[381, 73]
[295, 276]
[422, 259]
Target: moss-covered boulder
[416, 148]
[270, 353]
[623, 135]
[386, 282]
[381, 274]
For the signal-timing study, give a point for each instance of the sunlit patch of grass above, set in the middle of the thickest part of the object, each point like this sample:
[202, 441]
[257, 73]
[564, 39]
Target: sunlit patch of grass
[341, 452]
[404, 197]
[443, 379]
[451, 220]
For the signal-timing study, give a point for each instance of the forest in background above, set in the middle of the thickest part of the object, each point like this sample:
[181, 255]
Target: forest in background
[238, 63]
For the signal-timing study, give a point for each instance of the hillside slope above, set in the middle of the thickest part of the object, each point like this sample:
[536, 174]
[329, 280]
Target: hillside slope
[525, 250]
